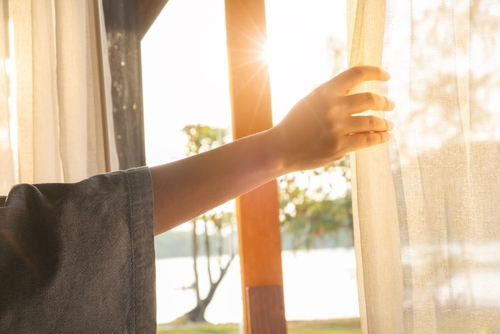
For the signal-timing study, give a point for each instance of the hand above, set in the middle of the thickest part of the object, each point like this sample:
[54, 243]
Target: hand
[321, 127]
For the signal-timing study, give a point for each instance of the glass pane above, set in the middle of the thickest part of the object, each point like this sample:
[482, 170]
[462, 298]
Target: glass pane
[306, 47]
[186, 97]
[185, 52]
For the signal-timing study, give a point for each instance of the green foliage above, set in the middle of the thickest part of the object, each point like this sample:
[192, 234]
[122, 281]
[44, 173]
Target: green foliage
[202, 138]
[220, 220]
[308, 212]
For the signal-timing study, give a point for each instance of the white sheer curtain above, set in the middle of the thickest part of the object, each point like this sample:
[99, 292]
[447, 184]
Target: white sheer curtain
[427, 205]
[55, 121]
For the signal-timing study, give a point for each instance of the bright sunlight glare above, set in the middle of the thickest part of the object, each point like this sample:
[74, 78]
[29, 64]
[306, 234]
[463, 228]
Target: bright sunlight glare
[185, 66]
[185, 81]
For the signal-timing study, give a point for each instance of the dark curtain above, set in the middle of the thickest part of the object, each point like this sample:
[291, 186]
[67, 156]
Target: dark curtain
[124, 49]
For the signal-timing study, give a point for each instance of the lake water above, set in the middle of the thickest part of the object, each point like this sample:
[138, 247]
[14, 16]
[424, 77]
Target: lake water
[319, 284]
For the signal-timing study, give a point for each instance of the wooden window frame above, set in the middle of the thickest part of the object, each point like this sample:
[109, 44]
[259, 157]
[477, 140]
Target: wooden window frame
[257, 211]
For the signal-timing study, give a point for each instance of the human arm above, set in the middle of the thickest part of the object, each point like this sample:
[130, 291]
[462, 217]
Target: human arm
[319, 129]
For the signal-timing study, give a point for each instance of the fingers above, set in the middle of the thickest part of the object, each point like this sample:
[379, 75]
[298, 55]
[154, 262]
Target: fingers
[362, 124]
[367, 139]
[355, 75]
[367, 101]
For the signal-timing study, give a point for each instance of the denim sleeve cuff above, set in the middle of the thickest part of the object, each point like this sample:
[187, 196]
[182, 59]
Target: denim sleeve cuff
[141, 213]
[79, 258]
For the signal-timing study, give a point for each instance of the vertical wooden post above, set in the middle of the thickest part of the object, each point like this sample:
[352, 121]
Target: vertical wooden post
[257, 211]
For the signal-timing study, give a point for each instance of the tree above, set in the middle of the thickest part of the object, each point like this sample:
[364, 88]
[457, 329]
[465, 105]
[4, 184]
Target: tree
[202, 138]
[308, 211]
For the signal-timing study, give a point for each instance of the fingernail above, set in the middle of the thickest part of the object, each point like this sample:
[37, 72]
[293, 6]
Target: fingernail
[387, 74]
[391, 125]
[392, 104]
[390, 135]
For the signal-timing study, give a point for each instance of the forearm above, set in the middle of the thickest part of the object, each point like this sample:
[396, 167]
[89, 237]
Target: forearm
[319, 129]
[189, 187]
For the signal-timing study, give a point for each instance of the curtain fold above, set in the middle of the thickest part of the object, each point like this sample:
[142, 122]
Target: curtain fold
[374, 203]
[6, 153]
[427, 205]
[56, 121]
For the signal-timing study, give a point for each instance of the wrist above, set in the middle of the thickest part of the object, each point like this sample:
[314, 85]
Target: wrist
[276, 151]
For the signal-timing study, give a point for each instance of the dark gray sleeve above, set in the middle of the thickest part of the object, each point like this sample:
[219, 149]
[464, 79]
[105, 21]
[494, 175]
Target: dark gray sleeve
[79, 258]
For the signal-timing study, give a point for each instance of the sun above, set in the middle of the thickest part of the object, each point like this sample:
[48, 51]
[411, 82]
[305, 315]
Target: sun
[280, 49]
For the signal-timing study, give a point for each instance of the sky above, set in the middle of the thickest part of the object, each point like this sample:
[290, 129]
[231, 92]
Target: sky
[184, 63]
[184, 58]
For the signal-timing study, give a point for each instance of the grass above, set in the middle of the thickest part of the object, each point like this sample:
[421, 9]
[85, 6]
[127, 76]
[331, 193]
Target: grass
[340, 326]
[199, 329]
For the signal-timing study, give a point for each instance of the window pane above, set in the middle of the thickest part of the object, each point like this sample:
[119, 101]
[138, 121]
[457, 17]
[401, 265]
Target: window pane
[306, 47]
[185, 84]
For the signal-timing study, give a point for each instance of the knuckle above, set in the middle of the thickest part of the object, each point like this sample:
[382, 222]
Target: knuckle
[367, 70]
[369, 139]
[358, 71]
[372, 122]
[373, 138]
[370, 98]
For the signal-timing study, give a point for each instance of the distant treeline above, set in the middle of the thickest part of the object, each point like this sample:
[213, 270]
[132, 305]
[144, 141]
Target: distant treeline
[179, 243]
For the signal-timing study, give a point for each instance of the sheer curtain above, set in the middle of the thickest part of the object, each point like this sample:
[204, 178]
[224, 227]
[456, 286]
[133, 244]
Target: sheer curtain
[55, 121]
[427, 205]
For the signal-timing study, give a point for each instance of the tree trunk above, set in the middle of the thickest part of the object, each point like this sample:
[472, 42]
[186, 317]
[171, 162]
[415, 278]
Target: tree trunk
[197, 314]
[195, 263]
